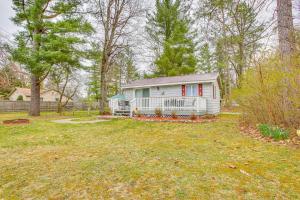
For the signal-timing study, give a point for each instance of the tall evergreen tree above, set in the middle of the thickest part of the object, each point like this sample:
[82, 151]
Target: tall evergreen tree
[161, 23]
[49, 29]
[168, 28]
[178, 56]
[205, 63]
[123, 71]
[128, 70]
[94, 72]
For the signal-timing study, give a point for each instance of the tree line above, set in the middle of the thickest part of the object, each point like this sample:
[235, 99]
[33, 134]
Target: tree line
[59, 39]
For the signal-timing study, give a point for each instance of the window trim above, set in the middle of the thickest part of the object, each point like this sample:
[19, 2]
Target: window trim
[194, 90]
[214, 91]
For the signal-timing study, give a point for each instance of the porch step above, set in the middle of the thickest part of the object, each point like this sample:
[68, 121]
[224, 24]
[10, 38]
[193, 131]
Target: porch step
[122, 112]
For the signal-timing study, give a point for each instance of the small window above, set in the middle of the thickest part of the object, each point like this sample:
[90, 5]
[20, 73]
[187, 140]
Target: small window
[192, 90]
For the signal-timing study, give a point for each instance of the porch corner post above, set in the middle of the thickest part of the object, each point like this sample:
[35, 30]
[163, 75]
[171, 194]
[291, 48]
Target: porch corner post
[113, 107]
[163, 104]
[198, 104]
[132, 106]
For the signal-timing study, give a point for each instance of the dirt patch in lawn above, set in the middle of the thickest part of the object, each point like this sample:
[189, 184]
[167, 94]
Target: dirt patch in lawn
[293, 141]
[16, 122]
[180, 120]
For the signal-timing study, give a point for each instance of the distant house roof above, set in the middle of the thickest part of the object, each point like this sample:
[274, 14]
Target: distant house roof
[173, 80]
[26, 91]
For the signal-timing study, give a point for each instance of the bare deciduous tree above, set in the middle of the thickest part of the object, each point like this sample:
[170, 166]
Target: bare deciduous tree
[236, 30]
[115, 18]
[64, 80]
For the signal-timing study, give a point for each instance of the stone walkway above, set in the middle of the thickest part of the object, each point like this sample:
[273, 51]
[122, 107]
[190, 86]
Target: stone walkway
[72, 121]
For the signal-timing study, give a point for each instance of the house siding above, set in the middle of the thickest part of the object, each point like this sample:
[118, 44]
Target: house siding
[213, 105]
[129, 93]
[166, 91]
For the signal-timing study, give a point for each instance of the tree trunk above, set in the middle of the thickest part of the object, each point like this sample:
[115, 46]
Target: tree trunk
[227, 81]
[59, 107]
[285, 29]
[35, 96]
[287, 45]
[103, 88]
[241, 64]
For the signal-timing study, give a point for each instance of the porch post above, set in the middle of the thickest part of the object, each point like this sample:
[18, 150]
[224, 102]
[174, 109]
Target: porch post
[198, 104]
[163, 104]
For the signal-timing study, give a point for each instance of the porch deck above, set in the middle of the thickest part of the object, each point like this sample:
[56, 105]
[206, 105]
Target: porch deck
[167, 105]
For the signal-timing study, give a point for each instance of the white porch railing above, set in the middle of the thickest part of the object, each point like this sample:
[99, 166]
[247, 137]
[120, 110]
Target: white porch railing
[117, 105]
[192, 104]
[169, 104]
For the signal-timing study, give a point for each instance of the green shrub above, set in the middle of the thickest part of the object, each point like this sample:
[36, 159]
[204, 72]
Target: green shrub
[158, 112]
[20, 98]
[273, 132]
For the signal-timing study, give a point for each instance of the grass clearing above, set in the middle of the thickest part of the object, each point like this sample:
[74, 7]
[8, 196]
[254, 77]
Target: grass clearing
[126, 159]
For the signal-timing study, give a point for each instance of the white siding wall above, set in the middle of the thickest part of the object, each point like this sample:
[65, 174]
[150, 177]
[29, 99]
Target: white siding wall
[166, 91]
[129, 93]
[213, 105]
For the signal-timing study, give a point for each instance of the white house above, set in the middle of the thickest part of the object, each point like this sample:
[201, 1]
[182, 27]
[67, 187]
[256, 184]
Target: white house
[25, 94]
[198, 94]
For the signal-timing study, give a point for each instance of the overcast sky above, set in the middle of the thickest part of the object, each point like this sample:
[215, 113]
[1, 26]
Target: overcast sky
[7, 27]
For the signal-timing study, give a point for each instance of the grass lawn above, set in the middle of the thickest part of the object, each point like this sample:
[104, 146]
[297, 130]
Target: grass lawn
[126, 159]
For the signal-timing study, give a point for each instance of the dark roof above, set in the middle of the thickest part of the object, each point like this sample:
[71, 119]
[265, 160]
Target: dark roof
[173, 80]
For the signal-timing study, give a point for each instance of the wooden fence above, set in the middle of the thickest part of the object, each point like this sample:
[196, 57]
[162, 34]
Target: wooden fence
[23, 106]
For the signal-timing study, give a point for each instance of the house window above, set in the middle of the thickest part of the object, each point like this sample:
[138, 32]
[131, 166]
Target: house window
[192, 90]
[145, 93]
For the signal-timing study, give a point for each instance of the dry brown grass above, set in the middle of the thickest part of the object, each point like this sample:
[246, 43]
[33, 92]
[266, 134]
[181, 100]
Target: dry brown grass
[126, 159]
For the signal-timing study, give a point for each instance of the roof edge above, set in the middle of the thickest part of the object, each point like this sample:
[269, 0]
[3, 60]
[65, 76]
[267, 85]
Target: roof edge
[168, 84]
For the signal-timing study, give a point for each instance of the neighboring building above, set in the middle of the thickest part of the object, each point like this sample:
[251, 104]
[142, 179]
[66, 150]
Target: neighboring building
[25, 94]
[198, 94]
